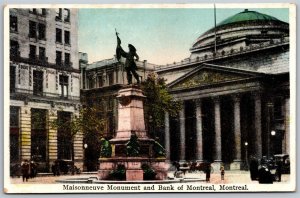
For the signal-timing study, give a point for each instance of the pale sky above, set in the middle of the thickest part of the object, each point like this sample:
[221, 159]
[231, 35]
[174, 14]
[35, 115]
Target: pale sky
[160, 36]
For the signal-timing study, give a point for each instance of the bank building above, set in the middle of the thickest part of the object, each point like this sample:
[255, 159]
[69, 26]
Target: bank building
[44, 85]
[234, 88]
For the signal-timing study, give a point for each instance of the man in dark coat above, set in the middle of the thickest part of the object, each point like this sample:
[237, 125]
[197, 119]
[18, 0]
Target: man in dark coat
[25, 168]
[207, 171]
[253, 168]
[130, 65]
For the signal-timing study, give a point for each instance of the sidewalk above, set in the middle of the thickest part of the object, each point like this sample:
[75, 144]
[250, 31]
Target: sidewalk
[231, 177]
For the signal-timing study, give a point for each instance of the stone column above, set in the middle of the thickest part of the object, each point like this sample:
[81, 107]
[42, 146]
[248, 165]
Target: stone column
[199, 140]
[236, 165]
[167, 136]
[218, 142]
[182, 133]
[286, 142]
[257, 125]
[52, 137]
[25, 132]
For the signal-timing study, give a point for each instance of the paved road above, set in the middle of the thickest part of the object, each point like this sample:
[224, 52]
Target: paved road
[231, 177]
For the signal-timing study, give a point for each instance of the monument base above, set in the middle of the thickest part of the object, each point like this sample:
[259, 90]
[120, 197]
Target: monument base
[133, 167]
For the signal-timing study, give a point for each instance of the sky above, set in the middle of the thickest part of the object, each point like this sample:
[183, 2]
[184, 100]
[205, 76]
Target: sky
[160, 35]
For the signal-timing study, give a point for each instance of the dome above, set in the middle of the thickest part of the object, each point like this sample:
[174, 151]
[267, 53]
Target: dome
[238, 31]
[247, 15]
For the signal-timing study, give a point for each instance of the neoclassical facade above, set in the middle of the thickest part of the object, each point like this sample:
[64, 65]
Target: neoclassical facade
[44, 85]
[235, 91]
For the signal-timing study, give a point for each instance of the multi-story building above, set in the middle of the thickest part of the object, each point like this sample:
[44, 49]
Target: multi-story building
[44, 85]
[235, 93]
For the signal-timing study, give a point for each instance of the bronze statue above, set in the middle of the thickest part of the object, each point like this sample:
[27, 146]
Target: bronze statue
[130, 65]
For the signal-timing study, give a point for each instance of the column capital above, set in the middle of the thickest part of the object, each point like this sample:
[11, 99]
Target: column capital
[216, 99]
[236, 97]
[256, 95]
[198, 102]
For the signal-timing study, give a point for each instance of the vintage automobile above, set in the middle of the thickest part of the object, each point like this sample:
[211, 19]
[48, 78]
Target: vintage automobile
[66, 166]
[272, 164]
[285, 160]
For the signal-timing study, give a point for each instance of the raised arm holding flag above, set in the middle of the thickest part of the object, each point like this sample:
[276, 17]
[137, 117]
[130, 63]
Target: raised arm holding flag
[130, 65]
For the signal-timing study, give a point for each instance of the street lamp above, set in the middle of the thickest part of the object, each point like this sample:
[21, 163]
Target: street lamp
[273, 133]
[246, 149]
[85, 160]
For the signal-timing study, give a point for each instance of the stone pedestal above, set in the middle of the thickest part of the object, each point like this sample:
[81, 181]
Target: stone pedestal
[131, 122]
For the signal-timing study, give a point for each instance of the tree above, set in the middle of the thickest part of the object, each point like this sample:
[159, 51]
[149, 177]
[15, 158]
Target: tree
[89, 122]
[158, 101]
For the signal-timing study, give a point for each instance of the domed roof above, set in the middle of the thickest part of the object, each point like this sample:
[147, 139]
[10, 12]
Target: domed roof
[246, 23]
[247, 15]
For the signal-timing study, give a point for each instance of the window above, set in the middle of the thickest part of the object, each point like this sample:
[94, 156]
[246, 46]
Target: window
[111, 78]
[12, 79]
[44, 11]
[32, 52]
[64, 136]
[42, 31]
[278, 109]
[67, 37]
[42, 53]
[13, 23]
[38, 134]
[14, 134]
[58, 35]
[58, 58]
[67, 59]
[32, 29]
[40, 11]
[33, 10]
[38, 83]
[64, 85]
[100, 81]
[14, 48]
[66, 15]
[58, 14]
[91, 83]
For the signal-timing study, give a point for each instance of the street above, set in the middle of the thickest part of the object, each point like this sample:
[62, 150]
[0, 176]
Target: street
[231, 177]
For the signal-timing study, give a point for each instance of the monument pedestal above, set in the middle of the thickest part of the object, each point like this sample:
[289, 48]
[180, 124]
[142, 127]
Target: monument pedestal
[131, 122]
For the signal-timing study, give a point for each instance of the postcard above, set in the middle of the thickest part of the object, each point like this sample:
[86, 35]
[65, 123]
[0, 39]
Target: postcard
[143, 98]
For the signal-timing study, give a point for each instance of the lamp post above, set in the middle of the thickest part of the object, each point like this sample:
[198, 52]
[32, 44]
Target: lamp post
[246, 154]
[273, 133]
[85, 163]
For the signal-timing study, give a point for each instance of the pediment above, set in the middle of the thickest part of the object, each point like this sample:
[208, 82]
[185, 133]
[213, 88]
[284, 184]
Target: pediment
[209, 76]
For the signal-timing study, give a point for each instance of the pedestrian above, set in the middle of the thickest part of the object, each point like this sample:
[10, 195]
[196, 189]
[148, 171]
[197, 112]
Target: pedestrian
[279, 170]
[33, 169]
[207, 171]
[253, 168]
[222, 172]
[55, 168]
[25, 168]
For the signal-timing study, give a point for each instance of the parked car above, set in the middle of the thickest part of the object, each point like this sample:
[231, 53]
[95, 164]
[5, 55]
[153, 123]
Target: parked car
[273, 162]
[285, 160]
[67, 166]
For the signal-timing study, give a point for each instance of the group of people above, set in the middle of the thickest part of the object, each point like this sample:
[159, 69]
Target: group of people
[28, 169]
[205, 167]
